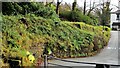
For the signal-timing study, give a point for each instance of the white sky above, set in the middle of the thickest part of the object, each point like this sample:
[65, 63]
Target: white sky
[81, 2]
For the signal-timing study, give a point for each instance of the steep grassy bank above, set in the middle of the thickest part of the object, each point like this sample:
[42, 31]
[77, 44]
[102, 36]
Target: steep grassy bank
[22, 34]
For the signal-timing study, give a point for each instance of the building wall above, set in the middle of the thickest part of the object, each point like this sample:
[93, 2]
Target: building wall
[113, 19]
[114, 16]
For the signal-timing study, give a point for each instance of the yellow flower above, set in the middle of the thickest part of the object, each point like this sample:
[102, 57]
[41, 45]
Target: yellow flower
[31, 58]
[28, 53]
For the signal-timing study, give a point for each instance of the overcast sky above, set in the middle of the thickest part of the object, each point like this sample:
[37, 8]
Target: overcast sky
[81, 2]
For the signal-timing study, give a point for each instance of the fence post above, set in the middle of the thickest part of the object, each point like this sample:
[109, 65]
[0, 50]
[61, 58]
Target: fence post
[45, 61]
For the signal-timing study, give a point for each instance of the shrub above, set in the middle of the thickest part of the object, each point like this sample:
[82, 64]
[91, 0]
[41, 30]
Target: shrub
[77, 16]
[94, 18]
[16, 40]
[64, 15]
[44, 36]
[100, 38]
[23, 8]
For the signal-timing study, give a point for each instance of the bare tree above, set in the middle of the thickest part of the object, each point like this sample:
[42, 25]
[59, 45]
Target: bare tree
[92, 7]
[57, 7]
[104, 14]
[74, 5]
[84, 10]
[64, 7]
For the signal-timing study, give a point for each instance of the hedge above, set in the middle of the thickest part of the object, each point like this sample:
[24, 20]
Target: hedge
[77, 16]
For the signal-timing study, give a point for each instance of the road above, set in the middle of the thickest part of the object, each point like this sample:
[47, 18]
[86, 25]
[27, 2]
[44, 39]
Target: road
[109, 55]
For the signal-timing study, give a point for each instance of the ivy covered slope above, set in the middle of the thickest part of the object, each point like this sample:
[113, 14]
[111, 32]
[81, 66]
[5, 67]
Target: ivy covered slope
[61, 39]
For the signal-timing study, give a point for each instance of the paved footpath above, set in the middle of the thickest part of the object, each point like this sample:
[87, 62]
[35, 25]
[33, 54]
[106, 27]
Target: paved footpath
[109, 55]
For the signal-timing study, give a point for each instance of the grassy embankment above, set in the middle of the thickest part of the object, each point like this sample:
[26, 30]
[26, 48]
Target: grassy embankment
[61, 39]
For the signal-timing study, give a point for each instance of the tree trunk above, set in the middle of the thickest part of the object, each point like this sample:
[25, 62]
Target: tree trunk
[74, 5]
[84, 7]
[57, 7]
